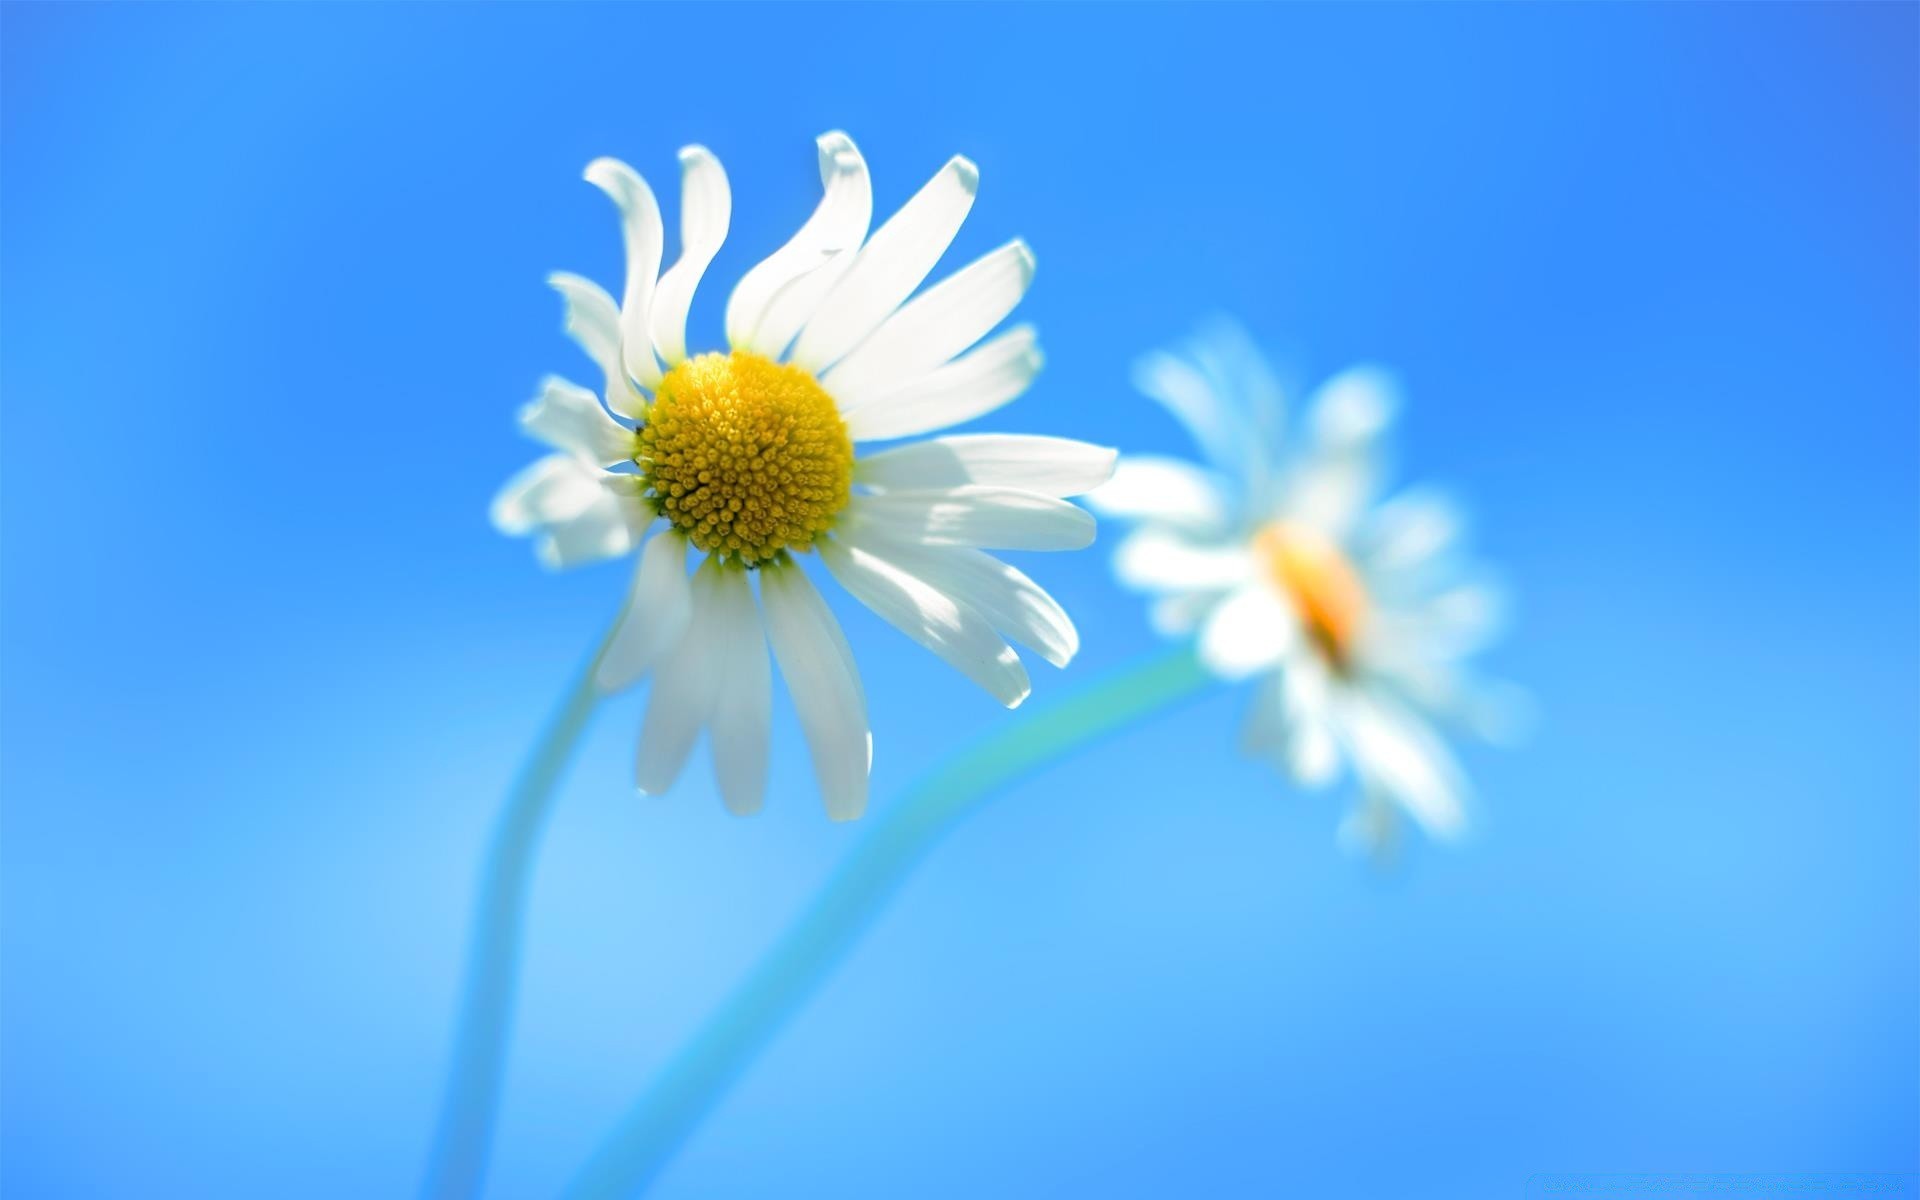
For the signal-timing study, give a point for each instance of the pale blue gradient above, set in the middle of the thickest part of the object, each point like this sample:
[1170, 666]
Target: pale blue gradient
[273, 289]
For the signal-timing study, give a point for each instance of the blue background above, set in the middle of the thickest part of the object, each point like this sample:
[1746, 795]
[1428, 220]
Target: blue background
[273, 289]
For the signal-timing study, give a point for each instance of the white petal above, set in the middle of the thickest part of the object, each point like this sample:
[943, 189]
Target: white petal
[1249, 631]
[1236, 370]
[1014, 604]
[1290, 722]
[1398, 753]
[992, 374]
[1313, 754]
[640, 226]
[934, 326]
[988, 517]
[706, 206]
[1411, 531]
[1466, 618]
[892, 263]
[1164, 560]
[593, 536]
[742, 709]
[593, 320]
[818, 667]
[1179, 614]
[1048, 465]
[1145, 487]
[684, 689]
[937, 621]
[1355, 406]
[1445, 626]
[658, 607]
[568, 417]
[1331, 491]
[576, 520]
[1185, 391]
[558, 487]
[774, 299]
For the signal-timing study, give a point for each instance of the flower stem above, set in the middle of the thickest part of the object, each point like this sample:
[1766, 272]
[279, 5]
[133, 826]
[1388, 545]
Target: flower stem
[472, 1098]
[647, 1136]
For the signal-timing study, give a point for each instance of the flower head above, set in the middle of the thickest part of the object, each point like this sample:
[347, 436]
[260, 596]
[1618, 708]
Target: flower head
[1355, 614]
[746, 457]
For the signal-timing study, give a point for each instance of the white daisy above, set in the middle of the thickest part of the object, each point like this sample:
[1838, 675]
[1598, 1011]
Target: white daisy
[1356, 614]
[746, 457]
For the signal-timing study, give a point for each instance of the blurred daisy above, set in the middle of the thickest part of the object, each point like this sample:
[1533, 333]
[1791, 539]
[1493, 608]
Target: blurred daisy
[1355, 613]
[745, 459]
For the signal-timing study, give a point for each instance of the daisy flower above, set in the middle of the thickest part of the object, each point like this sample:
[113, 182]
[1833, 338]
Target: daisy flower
[1355, 614]
[744, 459]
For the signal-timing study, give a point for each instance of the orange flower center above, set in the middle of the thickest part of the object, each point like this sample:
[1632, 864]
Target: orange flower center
[1320, 584]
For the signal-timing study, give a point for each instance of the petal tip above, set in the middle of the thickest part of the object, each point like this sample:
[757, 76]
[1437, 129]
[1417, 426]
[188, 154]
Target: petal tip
[965, 171]
[604, 171]
[1024, 253]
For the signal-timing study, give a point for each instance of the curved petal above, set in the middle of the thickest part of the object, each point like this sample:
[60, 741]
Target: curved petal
[820, 675]
[706, 208]
[599, 533]
[658, 607]
[1227, 355]
[1289, 722]
[558, 487]
[892, 263]
[1163, 560]
[1411, 532]
[931, 328]
[1445, 626]
[568, 417]
[1178, 614]
[988, 377]
[1398, 753]
[593, 320]
[987, 517]
[743, 700]
[950, 629]
[1331, 492]
[1251, 630]
[1049, 465]
[573, 517]
[1168, 491]
[1354, 407]
[1014, 604]
[640, 226]
[1184, 391]
[684, 689]
[774, 299]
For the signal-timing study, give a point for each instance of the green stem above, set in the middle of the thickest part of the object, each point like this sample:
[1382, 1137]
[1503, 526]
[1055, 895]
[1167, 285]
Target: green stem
[645, 1139]
[472, 1099]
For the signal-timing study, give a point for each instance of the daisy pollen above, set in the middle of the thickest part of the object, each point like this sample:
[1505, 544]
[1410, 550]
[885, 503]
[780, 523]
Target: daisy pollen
[748, 455]
[745, 456]
[1325, 590]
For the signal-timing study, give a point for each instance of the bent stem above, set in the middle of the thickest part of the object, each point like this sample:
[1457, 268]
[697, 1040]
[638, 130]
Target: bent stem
[472, 1098]
[645, 1139]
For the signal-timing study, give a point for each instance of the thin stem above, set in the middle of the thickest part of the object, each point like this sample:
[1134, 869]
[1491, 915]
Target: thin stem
[646, 1138]
[472, 1099]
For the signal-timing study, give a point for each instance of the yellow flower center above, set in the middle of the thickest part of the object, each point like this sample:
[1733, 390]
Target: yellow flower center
[745, 456]
[1321, 585]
